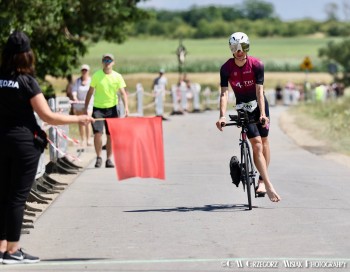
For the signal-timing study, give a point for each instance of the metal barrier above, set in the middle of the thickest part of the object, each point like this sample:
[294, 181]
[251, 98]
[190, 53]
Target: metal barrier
[44, 185]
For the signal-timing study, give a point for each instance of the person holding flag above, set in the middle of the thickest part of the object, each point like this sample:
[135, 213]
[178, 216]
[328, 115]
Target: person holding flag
[105, 84]
[22, 141]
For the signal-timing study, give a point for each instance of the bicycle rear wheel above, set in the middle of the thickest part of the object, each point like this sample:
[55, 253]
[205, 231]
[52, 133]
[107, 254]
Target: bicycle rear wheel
[246, 167]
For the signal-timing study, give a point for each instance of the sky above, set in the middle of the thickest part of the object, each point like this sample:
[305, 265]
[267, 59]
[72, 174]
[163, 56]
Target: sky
[287, 10]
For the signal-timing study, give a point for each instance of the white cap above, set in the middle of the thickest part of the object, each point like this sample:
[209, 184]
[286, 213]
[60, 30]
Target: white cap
[85, 67]
[108, 55]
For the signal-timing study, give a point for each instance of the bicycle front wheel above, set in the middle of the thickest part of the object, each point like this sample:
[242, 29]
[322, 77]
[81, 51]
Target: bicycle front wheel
[246, 172]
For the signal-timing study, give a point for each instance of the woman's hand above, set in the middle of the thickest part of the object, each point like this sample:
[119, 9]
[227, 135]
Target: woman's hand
[85, 119]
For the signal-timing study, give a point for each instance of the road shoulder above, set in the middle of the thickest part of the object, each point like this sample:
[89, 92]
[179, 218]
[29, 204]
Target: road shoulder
[305, 139]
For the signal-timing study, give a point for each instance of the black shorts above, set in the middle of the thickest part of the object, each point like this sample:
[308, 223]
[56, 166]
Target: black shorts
[255, 130]
[97, 127]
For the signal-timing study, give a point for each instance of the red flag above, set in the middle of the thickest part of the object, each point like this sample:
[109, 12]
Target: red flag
[137, 144]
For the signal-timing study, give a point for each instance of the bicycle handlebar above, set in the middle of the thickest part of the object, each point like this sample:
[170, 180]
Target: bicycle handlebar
[240, 124]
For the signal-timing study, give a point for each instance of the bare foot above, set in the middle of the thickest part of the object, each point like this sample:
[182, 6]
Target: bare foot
[261, 187]
[274, 197]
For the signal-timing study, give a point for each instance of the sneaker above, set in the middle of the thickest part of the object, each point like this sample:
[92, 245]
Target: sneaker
[98, 162]
[1, 256]
[109, 164]
[19, 257]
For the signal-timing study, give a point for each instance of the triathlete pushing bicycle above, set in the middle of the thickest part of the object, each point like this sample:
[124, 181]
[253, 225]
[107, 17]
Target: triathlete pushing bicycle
[246, 77]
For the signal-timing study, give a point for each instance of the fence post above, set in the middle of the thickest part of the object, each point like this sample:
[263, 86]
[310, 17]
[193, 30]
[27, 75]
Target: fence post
[63, 106]
[52, 133]
[286, 96]
[271, 97]
[139, 97]
[183, 90]
[196, 88]
[206, 94]
[159, 100]
[175, 97]
[121, 107]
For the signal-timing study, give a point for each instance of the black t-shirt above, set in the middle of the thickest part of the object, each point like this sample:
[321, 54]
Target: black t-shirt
[15, 95]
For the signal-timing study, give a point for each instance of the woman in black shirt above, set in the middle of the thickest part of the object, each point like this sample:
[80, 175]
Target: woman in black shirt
[20, 148]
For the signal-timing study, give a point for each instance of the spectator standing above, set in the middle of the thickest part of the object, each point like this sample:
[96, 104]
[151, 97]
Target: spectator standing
[105, 84]
[161, 81]
[278, 93]
[79, 91]
[160, 85]
[21, 140]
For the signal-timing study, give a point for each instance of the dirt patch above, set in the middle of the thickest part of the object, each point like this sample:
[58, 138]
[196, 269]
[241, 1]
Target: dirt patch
[307, 140]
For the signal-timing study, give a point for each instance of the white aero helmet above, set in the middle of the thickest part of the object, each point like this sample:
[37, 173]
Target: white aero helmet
[239, 41]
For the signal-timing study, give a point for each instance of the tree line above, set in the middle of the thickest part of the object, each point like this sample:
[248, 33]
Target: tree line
[61, 31]
[258, 18]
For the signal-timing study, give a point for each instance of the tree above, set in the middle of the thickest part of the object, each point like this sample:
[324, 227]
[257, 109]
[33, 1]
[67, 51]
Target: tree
[255, 9]
[331, 10]
[338, 53]
[61, 30]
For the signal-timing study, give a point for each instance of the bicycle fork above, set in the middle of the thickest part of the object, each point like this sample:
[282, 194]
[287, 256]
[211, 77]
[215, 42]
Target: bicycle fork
[252, 173]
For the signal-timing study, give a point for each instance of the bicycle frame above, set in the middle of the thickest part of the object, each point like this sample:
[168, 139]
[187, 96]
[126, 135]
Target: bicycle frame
[247, 167]
[245, 151]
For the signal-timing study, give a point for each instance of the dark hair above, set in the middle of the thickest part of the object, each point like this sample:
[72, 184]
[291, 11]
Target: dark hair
[17, 57]
[17, 63]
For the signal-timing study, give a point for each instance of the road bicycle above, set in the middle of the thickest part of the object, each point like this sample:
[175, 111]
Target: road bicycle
[246, 171]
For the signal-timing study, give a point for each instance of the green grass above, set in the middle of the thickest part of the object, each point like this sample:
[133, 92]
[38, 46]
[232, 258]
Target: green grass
[329, 121]
[150, 54]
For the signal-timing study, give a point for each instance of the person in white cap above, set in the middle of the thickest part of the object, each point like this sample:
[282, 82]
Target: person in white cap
[79, 91]
[160, 81]
[105, 84]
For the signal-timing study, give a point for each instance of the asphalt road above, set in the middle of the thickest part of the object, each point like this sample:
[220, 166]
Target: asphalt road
[196, 220]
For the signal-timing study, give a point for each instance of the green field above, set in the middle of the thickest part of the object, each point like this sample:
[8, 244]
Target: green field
[149, 54]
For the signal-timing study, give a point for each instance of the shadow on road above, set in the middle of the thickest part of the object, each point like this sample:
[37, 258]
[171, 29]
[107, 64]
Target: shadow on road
[205, 208]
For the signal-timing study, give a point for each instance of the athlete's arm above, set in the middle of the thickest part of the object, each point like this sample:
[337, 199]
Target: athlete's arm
[261, 103]
[223, 107]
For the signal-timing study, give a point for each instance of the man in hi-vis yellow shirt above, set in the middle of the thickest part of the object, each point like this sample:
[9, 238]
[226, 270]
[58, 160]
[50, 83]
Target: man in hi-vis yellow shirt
[105, 84]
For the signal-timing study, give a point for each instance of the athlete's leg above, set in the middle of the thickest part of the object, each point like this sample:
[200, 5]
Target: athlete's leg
[266, 153]
[261, 165]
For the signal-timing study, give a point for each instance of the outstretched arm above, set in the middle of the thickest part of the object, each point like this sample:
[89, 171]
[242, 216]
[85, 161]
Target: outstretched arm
[41, 107]
[223, 107]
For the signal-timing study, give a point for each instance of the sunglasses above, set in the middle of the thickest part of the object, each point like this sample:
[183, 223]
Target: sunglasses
[107, 61]
[84, 70]
[239, 47]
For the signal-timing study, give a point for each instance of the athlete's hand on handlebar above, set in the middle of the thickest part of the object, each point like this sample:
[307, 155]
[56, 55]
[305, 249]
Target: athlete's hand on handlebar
[221, 123]
[264, 120]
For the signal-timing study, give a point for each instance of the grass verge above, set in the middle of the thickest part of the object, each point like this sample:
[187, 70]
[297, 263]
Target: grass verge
[328, 121]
